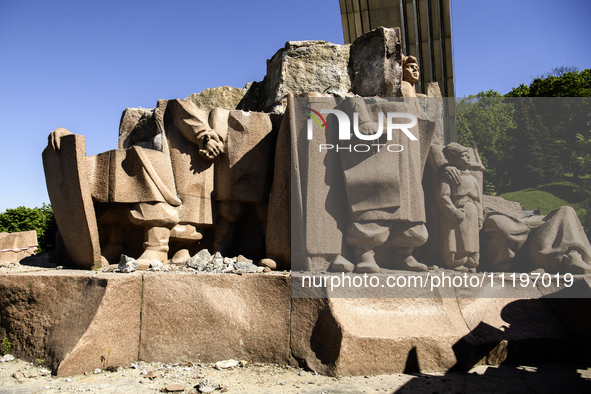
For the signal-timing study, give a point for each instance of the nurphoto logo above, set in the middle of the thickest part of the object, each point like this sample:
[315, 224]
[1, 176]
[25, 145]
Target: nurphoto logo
[368, 132]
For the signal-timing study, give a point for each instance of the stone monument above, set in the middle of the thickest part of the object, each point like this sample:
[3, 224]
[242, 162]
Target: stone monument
[462, 203]
[233, 171]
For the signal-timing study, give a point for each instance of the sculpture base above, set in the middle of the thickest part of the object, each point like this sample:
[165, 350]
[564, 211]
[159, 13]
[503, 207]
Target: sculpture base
[78, 321]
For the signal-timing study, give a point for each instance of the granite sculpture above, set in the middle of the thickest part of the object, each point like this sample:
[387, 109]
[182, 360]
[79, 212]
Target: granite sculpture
[225, 170]
[383, 188]
[462, 203]
[558, 245]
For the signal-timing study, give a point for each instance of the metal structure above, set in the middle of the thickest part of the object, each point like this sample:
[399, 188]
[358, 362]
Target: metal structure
[426, 33]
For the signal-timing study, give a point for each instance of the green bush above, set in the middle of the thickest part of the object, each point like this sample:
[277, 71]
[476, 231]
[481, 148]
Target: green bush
[5, 346]
[26, 219]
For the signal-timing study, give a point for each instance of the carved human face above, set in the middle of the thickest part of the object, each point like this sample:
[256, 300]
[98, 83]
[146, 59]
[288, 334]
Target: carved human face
[411, 73]
[462, 161]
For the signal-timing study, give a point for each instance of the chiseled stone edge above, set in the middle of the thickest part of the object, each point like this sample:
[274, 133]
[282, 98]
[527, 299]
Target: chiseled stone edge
[100, 320]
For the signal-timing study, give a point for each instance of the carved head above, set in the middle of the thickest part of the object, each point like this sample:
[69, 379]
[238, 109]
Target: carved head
[457, 155]
[410, 70]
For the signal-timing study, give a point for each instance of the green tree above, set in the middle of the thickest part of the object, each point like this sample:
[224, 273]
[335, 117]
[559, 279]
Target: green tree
[535, 158]
[569, 120]
[26, 219]
[485, 122]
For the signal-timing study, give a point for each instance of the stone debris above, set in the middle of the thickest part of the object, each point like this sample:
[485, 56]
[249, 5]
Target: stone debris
[200, 260]
[127, 264]
[18, 376]
[174, 387]
[261, 377]
[268, 263]
[226, 364]
[97, 371]
[150, 375]
[6, 357]
[156, 265]
[204, 262]
[207, 385]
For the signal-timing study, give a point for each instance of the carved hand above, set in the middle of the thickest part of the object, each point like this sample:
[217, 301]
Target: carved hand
[368, 128]
[452, 174]
[212, 149]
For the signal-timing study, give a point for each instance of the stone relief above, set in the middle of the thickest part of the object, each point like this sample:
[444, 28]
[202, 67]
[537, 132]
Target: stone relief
[462, 203]
[188, 176]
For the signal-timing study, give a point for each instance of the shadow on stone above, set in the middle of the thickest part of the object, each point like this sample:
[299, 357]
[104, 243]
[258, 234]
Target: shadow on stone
[326, 338]
[412, 362]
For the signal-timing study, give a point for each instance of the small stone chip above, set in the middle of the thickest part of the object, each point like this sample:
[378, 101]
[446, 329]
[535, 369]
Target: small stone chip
[207, 385]
[226, 364]
[174, 387]
[6, 357]
[151, 375]
[18, 376]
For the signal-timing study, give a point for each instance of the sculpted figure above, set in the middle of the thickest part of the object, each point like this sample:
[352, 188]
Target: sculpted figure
[559, 245]
[222, 164]
[410, 76]
[384, 189]
[184, 134]
[462, 204]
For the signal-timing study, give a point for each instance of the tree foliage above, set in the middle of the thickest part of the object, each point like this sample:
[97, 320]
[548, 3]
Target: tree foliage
[525, 142]
[26, 219]
[485, 122]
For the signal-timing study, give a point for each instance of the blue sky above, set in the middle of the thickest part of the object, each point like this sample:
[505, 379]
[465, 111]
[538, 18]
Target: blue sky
[79, 64]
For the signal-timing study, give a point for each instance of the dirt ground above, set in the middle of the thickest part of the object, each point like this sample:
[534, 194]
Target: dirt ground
[22, 377]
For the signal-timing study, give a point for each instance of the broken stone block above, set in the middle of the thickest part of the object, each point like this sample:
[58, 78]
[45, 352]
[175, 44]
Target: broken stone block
[375, 63]
[138, 127]
[16, 246]
[305, 66]
[200, 260]
[225, 97]
[127, 264]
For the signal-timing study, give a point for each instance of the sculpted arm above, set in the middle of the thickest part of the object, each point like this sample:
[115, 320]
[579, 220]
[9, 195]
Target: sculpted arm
[194, 126]
[444, 194]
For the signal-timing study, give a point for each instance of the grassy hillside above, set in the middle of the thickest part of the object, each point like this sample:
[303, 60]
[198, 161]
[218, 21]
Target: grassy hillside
[533, 198]
[554, 195]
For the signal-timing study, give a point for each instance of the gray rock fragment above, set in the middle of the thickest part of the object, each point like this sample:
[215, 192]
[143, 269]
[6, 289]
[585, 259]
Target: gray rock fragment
[247, 268]
[207, 385]
[218, 262]
[127, 264]
[231, 363]
[6, 357]
[204, 262]
[200, 260]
